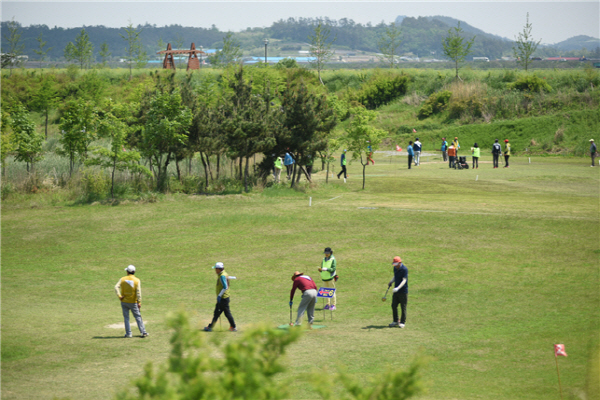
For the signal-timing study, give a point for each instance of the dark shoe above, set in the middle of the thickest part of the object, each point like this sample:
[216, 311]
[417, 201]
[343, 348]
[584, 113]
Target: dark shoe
[207, 329]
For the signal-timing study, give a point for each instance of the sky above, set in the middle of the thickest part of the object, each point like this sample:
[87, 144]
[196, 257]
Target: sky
[552, 21]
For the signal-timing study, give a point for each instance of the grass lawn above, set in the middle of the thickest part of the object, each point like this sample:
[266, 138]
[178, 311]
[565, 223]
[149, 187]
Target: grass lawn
[502, 264]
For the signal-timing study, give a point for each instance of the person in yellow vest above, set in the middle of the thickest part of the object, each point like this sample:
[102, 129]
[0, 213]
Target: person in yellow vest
[129, 291]
[223, 299]
[328, 275]
[277, 169]
[456, 147]
[476, 152]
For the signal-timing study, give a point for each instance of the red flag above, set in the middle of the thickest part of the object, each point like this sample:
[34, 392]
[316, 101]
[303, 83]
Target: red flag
[414, 130]
[398, 148]
[559, 350]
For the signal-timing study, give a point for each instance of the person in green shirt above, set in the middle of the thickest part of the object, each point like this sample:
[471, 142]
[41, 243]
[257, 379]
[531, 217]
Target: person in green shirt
[277, 169]
[328, 275]
[476, 152]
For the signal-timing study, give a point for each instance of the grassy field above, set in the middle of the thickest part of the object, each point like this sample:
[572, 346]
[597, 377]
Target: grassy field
[502, 264]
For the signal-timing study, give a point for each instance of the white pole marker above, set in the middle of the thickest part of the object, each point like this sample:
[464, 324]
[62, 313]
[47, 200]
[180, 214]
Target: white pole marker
[476, 178]
[310, 201]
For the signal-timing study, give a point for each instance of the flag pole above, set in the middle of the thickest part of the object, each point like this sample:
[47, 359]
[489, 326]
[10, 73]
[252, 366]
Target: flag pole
[558, 373]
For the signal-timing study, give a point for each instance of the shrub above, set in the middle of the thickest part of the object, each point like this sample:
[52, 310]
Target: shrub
[383, 89]
[530, 83]
[95, 185]
[435, 104]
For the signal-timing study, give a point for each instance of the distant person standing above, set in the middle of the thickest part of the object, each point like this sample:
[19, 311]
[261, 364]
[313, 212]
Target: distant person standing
[370, 155]
[309, 296]
[129, 291]
[329, 275]
[417, 150]
[506, 152]
[444, 149]
[400, 297]
[451, 155]
[411, 153]
[496, 151]
[309, 166]
[475, 151]
[288, 161]
[593, 151]
[223, 299]
[343, 165]
[277, 169]
[456, 145]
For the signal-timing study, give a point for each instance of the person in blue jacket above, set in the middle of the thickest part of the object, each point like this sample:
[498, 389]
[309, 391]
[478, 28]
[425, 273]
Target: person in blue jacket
[343, 165]
[288, 161]
[444, 149]
[411, 153]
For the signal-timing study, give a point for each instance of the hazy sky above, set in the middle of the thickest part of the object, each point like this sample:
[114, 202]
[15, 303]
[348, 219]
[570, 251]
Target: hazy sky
[553, 21]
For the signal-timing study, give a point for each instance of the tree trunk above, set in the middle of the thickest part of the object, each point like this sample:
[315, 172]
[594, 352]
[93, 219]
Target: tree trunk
[190, 164]
[293, 175]
[178, 170]
[241, 171]
[246, 175]
[209, 168]
[364, 167]
[205, 169]
[218, 164]
[327, 176]
[112, 184]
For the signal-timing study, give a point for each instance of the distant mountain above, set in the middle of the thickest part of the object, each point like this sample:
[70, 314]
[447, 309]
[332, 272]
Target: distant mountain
[577, 43]
[452, 22]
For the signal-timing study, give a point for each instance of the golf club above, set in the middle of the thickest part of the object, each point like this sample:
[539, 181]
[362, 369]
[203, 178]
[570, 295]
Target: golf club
[291, 316]
[385, 295]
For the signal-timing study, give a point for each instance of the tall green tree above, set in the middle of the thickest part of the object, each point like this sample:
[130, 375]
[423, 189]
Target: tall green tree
[134, 50]
[229, 54]
[27, 142]
[245, 122]
[81, 51]
[6, 144]
[42, 51]
[45, 99]
[525, 46]
[11, 56]
[104, 54]
[456, 46]
[116, 157]
[320, 47]
[361, 135]
[305, 121]
[389, 43]
[77, 131]
[166, 129]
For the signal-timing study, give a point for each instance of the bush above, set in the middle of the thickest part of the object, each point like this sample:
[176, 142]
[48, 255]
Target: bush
[383, 89]
[435, 104]
[530, 83]
[95, 185]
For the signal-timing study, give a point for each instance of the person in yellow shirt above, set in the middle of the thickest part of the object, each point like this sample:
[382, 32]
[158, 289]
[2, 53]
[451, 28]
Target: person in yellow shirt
[506, 152]
[456, 147]
[129, 291]
[476, 152]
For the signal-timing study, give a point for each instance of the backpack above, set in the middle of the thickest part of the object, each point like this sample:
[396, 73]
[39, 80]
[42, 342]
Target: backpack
[497, 148]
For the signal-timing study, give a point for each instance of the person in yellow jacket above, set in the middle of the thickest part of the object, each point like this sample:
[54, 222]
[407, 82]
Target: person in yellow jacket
[277, 169]
[329, 275]
[456, 146]
[223, 298]
[476, 152]
[129, 291]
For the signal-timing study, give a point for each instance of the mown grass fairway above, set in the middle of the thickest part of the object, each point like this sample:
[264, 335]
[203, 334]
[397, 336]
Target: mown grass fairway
[502, 264]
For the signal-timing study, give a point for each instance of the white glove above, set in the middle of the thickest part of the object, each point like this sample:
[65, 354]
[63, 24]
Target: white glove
[396, 290]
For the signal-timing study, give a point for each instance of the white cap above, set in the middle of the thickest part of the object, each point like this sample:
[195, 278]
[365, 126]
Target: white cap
[591, 140]
[219, 265]
[131, 268]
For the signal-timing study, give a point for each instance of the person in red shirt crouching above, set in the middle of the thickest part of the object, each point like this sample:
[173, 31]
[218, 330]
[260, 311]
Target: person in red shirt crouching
[309, 296]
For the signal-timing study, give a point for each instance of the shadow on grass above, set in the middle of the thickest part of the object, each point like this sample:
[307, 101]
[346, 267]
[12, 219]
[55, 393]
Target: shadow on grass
[109, 337]
[369, 327]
